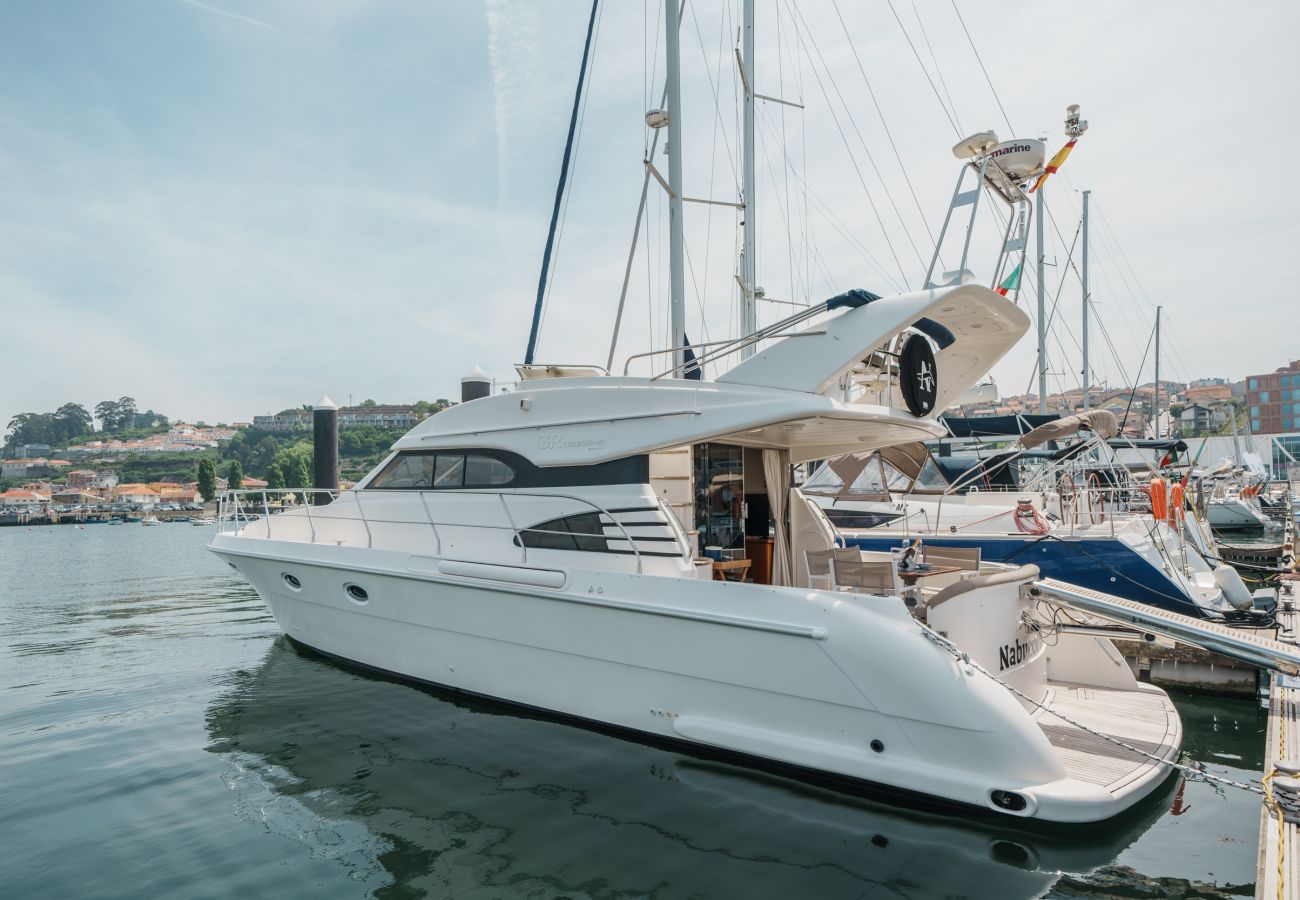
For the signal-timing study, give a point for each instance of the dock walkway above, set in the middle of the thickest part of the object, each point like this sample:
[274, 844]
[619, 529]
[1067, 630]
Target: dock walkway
[1279, 841]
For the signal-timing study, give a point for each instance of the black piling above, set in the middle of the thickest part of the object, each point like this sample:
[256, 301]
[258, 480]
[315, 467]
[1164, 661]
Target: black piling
[325, 448]
[474, 385]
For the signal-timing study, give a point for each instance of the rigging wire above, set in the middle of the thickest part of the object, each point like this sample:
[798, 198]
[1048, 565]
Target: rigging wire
[934, 59]
[885, 125]
[781, 208]
[865, 149]
[579, 104]
[842, 229]
[980, 60]
[955, 127]
[844, 139]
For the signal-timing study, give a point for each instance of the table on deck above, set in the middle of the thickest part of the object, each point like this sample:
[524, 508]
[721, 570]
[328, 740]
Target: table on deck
[738, 567]
[909, 577]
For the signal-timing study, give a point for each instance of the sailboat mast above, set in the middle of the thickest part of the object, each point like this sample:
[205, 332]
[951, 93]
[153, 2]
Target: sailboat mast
[676, 246]
[748, 267]
[1042, 313]
[1087, 298]
[1155, 408]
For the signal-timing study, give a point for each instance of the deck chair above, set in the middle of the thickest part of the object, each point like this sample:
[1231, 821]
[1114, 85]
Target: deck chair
[819, 564]
[819, 567]
[865, 577]
[963, 557]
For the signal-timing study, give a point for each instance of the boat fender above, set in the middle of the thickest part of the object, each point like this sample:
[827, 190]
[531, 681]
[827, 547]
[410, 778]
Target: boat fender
[1175, 501]
[1159, 499]
[1234, 589]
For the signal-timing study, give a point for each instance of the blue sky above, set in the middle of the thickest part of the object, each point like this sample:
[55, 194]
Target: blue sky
[224, 208]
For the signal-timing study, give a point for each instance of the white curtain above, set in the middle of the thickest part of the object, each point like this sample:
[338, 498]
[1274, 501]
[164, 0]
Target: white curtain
[776, 469]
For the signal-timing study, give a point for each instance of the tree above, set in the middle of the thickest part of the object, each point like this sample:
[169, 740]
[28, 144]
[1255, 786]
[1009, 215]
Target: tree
[234, 475]
[207, 478]
[295, 465]
[115, 415]
[70, 420]
[31, 428]
[368, 402]
[274, 477]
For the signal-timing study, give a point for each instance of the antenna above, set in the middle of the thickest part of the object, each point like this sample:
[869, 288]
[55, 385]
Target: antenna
[1074, 126]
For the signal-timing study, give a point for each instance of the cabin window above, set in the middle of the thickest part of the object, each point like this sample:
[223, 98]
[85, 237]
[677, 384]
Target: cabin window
[894, 479]
[409, 471]
[449, 472]
[823, 481]
[930, 478]
[869, 480]
[422, 471]
[486, 471]
[472, 469]
[582, 531]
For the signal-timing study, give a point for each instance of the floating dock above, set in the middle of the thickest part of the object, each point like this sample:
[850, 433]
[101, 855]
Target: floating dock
[1278, 877]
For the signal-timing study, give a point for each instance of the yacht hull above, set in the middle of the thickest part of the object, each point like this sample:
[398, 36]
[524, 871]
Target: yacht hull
[1105, 564]
[1234, 513]
[844, 686]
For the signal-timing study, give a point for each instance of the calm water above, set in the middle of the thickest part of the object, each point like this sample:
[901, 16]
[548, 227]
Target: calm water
[159, 738]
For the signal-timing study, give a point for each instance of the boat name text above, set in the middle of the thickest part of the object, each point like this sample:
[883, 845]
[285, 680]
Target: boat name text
[1012, 655]
[554, 440]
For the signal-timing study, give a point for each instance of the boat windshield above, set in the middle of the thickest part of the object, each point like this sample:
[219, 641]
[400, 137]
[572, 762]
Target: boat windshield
[868, 479]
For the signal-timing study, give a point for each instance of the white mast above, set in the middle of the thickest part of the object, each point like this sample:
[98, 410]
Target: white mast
[1042, 314]
[1155, 409]
[748, 265]
[676, 254]
[1086, 300]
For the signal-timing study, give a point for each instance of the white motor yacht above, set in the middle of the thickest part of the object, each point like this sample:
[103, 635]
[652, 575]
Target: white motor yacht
[513, 547]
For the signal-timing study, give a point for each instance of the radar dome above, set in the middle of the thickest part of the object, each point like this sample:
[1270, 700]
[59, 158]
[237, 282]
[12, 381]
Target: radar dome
[1020, 159]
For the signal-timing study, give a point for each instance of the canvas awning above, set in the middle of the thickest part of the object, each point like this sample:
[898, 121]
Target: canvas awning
[1101, 422]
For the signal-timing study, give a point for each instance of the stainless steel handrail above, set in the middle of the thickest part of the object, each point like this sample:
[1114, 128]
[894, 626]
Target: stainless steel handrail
[230, 501]
[712, 356]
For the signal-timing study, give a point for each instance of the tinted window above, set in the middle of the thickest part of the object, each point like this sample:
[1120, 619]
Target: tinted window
[579, 532]
[481, 468]
[450, 471]
[410, 471]
[486, 471]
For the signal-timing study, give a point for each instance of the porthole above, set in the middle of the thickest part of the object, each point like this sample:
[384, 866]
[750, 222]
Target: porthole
[356, 593]
[1009, 800]
[878, 746]
[292, 581]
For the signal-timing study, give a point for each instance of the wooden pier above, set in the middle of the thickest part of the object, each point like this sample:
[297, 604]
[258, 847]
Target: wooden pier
[1278, 877]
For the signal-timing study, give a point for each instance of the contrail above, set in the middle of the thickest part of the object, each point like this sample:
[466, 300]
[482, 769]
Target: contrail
[324, 46]
[290, 34]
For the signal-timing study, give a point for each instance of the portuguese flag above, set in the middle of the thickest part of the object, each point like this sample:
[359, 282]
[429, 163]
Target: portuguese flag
[1012, 281]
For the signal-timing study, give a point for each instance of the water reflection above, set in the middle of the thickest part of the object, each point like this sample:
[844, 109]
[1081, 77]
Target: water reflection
[415, 793]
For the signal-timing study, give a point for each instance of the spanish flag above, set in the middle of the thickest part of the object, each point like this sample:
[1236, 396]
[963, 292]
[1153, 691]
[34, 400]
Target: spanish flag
[1012, 281]
[1057, 161]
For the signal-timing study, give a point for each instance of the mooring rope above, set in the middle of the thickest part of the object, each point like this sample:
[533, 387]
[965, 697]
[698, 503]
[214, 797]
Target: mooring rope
[1190, 771]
